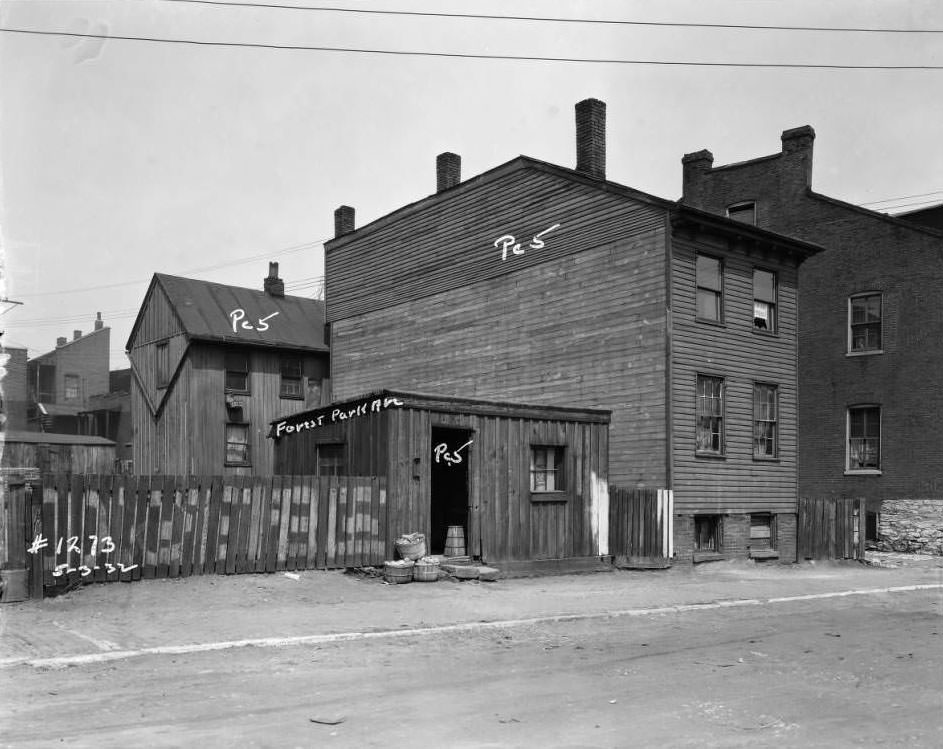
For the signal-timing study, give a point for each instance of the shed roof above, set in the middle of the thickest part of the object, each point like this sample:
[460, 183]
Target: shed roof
[52, 438]
[204, 310]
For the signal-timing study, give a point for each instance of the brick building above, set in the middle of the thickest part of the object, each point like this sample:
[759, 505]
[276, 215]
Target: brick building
[870, 387]
[540, 284]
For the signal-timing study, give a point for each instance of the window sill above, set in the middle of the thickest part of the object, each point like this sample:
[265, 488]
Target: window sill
[764, 554]
[766, 333]
[707, 556]
[707, 321]
[549, 496]
[237, 465]
[709, 456]
[765, 459]
[288, 397]
[870, 352]
[864, 472]
[231, 391]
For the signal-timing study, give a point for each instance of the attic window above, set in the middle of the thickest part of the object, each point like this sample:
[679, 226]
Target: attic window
[745, 213]
[163, 364]
[237, 371]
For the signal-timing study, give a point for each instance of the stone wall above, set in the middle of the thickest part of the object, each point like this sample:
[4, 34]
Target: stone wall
[911, 525]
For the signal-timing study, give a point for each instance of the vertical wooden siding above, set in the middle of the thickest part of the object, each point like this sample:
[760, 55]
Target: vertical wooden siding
[831, 528]
[109, 528]
[736, 483]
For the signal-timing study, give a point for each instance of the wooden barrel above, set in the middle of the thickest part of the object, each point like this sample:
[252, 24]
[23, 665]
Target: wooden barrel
[455, 541]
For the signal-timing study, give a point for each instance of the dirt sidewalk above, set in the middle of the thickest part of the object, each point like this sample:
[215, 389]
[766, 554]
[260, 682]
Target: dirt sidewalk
[127, 617]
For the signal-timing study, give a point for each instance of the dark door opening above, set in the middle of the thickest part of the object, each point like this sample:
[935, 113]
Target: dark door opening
[449, 495]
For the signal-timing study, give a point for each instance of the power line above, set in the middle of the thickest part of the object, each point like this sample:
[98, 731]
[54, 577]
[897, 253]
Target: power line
[903, 197]
[557, 19]
[466, 56]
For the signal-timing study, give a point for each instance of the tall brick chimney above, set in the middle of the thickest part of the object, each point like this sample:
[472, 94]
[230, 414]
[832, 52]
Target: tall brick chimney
[98, 321]
[797, 149]
[591, 138]
[693, 167]
[272, 284]
[448, 170]
[343, 221]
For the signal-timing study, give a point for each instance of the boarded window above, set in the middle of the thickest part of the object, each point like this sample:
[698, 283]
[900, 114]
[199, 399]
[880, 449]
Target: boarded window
[707, 533]
[162, 352]
[546, 469]
[237, 371]
[710, 288]
[765, 421]
[763, 531]
[292, 384]
[864, 438]
[864, 323]
[710, 415]
[237, 444]
[764, 300]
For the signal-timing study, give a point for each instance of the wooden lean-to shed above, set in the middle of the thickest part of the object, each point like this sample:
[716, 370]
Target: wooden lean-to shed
[525, 483]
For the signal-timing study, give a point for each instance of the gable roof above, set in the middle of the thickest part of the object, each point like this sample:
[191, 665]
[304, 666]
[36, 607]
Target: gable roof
[71, 342]
[203, 309]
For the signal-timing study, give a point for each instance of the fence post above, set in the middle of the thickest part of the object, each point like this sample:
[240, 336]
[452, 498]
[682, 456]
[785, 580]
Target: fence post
[34, 528]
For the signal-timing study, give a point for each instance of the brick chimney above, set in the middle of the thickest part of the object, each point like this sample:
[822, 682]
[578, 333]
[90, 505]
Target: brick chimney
[98, 321]
[61, 341]
[693, 167]
[343, 221]
[797, 150]
[76, 334]
[591, 138]
[448, 170]
[272, 284]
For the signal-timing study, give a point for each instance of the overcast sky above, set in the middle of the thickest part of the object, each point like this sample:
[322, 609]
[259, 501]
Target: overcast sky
[124, 158]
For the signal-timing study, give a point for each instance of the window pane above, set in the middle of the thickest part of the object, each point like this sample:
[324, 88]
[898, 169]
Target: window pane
[546, 469]
[708, 304]
[864, 438]
[764, 285]
[708, 273]
[237, 443]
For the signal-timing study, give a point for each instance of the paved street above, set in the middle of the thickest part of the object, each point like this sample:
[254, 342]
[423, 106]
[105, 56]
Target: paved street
[722, 656]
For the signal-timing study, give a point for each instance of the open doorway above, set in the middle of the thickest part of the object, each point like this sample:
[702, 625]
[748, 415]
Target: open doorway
[449, 495]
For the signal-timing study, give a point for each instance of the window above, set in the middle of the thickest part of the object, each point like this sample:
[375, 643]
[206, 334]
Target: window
[764, 300]
[765, 421]
[237, 444]
[707, 533]
[292, 385]
[864, 438]
[864, 323]
[710, 415]
[745, 213]
[710, 288]
[546, 469]
[163, 364]
[72, 387]
[237, 371]
[762, 531]
[330, 459]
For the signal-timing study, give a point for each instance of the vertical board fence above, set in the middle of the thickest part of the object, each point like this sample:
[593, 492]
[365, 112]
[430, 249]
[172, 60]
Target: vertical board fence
[831, 528]
[103, 528]
[640, 526]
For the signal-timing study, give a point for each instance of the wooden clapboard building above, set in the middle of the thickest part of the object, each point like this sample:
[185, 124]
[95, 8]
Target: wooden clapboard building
[525, 483]
[542, 284]
[212, 364]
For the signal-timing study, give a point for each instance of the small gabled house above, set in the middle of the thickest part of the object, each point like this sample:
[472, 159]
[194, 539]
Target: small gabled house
[212, 365]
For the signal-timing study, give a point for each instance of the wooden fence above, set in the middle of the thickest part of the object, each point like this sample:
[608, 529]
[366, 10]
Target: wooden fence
[640, 526]
[101, 528]
[831, 528]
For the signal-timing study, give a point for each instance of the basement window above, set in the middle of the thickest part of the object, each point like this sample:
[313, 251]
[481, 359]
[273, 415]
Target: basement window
[708, 533]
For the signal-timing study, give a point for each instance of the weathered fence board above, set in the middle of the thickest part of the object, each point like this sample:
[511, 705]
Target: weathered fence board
[97, 528]
[831, 528]
[640, 525]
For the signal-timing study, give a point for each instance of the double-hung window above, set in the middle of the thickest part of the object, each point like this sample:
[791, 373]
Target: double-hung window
[237, 371]
[710, 415]
[765, 421]
[864, 439]
[292, 385]
[864, 323]
[546, 469]
[237, 444]
[710, 288]
[72, 387]
[764, 300]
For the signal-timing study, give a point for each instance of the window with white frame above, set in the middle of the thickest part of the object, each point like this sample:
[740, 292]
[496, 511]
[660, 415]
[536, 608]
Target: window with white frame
[710, 288]
[765, 420]
[864, 323]
[710, 415]
[546, 469]
[764, 300]
[864, 438]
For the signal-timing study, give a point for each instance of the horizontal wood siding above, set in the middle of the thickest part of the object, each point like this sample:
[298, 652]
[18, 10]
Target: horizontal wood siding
[736, 483]
[59, 458]
[451, 243]
[585, 330]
